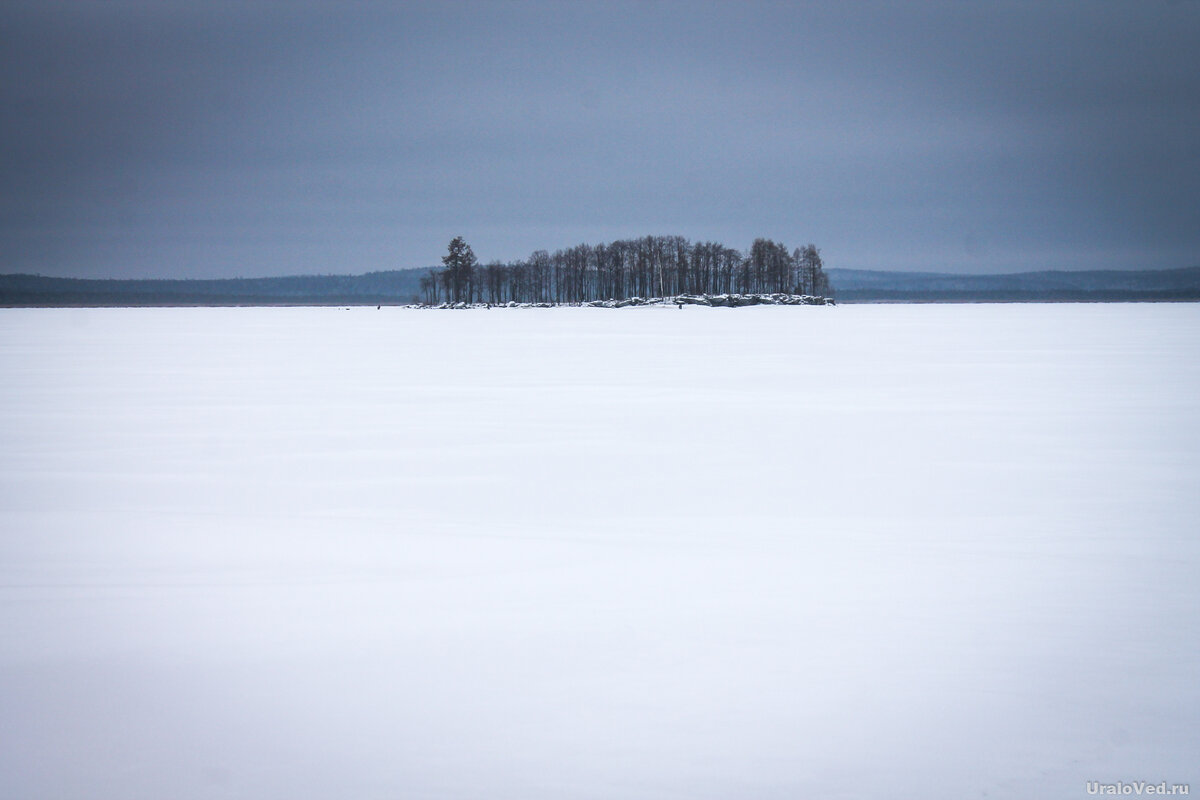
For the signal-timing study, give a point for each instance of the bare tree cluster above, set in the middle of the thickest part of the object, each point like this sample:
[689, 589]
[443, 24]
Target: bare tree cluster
[652, 266]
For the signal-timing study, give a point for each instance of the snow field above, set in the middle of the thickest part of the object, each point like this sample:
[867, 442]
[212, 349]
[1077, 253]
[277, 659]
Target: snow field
[866, 551]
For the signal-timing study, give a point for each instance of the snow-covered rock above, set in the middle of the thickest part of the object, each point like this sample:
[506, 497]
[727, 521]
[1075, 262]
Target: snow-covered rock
[718, 300]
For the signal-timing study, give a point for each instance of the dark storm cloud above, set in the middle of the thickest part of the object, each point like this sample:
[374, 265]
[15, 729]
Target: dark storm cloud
[219, 138]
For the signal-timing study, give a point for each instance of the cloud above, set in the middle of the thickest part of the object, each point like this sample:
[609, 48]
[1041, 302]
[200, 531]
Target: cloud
[221, 138]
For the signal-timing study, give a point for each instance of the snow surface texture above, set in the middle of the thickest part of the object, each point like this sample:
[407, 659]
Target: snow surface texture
[857, 552]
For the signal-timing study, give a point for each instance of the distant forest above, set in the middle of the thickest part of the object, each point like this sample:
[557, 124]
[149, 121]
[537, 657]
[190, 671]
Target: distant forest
[373, 288]
[1048, 286]
[403, 286]
[652, 266]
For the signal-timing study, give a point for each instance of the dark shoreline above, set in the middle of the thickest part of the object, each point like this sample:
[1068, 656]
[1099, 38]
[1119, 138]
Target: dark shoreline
[402, 287]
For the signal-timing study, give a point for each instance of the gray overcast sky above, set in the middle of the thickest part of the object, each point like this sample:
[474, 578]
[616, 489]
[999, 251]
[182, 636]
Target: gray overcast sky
[181, 138]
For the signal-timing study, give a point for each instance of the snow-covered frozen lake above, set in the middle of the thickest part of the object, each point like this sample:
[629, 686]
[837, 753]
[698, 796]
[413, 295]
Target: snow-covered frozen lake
[856, 552]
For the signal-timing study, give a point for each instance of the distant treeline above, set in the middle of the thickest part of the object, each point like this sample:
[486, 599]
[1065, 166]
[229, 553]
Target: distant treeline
[871, 286]
[374, 288]
[405, 286]
[652, 266]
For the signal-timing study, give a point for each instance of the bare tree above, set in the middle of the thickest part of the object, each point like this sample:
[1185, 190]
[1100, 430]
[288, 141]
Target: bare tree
[813, 279]
[429, 288]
